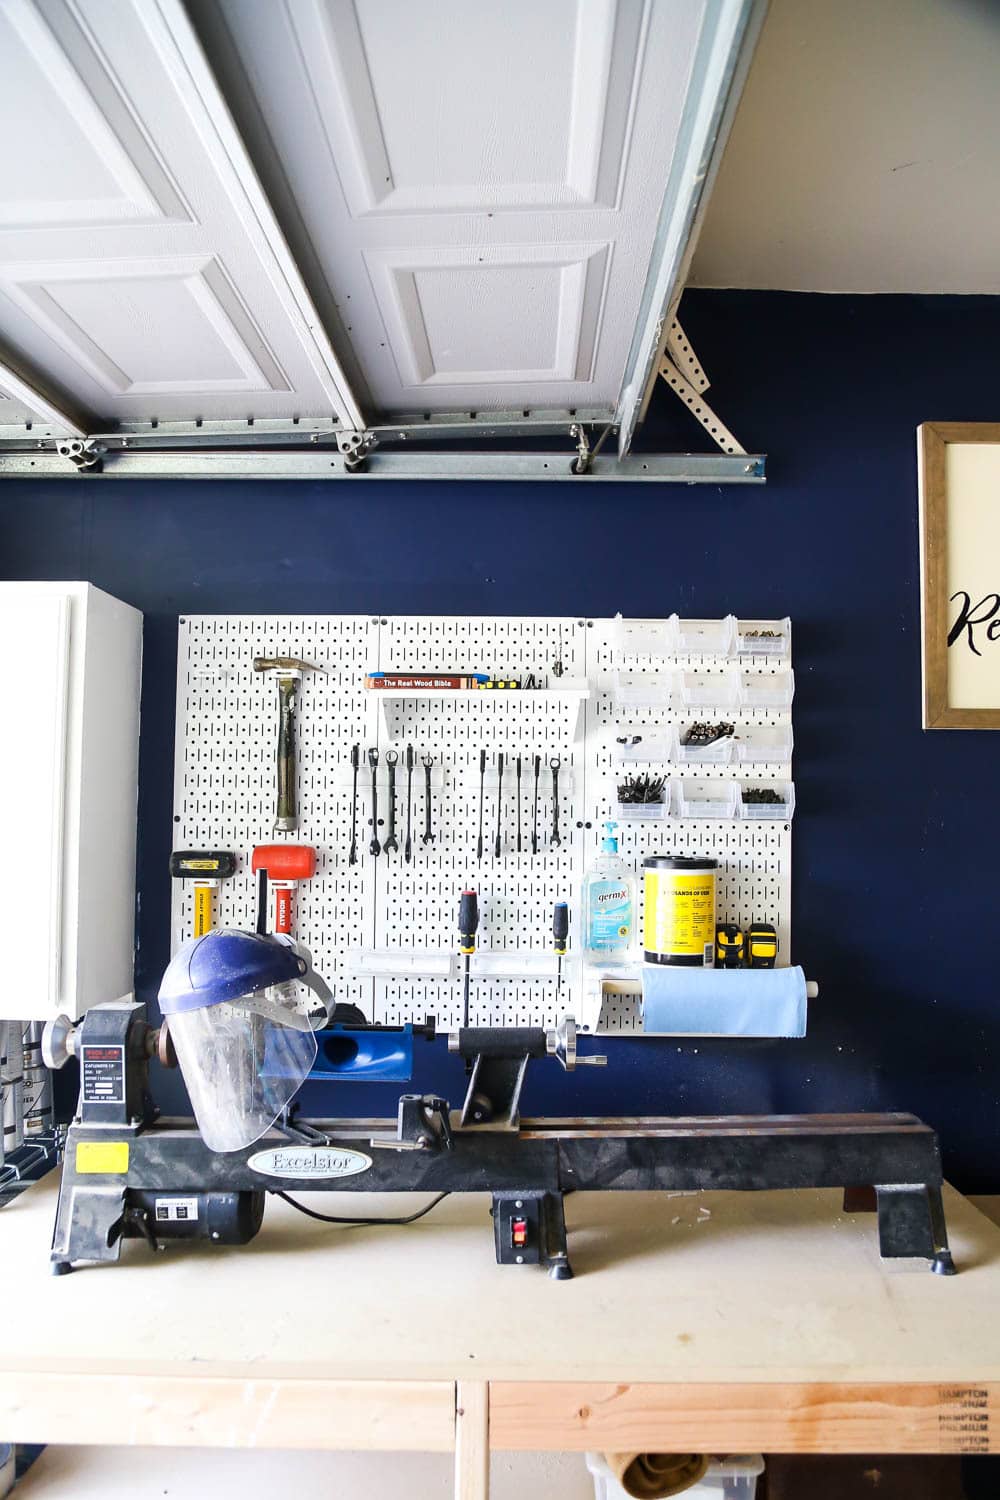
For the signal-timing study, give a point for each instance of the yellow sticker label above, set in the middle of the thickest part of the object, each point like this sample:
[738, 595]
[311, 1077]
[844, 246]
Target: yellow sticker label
[679, 915]
[102, 1156]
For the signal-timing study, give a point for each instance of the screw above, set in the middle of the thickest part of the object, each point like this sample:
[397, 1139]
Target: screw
[518, 1203]
[519, 1260]
[215, 1234]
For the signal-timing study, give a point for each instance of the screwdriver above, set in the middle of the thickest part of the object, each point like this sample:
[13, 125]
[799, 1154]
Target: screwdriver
[560, 932]
[482, 774]
[468, 923]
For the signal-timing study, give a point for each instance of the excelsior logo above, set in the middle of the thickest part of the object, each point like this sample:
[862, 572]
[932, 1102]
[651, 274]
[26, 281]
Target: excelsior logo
[309, 1161]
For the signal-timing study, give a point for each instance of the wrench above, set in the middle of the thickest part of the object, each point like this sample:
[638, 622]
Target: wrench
[352, 858]
[428, 837]
[555, 761]
[391, 844]
[410, 761]
[534, 814]
[374, 847]
[497, 844]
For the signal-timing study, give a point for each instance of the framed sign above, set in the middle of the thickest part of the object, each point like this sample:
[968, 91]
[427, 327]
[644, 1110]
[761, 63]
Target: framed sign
[959, 467]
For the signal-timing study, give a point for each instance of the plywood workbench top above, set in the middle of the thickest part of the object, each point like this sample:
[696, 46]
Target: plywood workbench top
[669, 1288]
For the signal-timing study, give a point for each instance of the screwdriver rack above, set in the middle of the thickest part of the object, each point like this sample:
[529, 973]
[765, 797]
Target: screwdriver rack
[363, 922]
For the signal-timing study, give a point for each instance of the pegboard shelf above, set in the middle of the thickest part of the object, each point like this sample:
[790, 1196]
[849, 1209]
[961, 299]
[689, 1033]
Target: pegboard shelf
[573, 694]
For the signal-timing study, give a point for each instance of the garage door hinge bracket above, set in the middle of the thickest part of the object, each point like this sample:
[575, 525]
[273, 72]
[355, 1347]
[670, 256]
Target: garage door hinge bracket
[354, 448]
[585, 454]
[680, 369]
[83, 453]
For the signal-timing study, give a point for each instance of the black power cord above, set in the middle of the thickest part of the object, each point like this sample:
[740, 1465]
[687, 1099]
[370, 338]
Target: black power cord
[357, 1223]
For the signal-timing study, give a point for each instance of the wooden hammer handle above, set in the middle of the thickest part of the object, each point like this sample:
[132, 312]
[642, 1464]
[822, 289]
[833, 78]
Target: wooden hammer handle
[287, 818]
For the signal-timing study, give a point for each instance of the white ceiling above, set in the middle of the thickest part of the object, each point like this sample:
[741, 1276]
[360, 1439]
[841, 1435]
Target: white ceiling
[865, 156]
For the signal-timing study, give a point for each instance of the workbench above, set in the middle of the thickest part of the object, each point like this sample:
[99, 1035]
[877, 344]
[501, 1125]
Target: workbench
[721, 1322]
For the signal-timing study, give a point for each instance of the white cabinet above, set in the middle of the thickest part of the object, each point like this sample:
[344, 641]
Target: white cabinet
[69, 747]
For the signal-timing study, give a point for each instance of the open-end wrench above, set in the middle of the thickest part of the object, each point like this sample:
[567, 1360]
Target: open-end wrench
[352, 858]
[410, 760]
[534, 815]
[518, 804]
[496, 843]
[374, 847]
[555, 762]
[428, 837]
[391, 844]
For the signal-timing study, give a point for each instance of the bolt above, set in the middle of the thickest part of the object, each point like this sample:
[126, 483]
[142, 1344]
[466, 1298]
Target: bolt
[215, 1234]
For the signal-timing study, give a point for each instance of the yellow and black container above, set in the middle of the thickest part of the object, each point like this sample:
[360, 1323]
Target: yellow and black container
[679, 910]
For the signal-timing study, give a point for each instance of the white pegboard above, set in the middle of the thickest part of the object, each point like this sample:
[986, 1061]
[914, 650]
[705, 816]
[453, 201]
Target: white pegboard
[225, 794]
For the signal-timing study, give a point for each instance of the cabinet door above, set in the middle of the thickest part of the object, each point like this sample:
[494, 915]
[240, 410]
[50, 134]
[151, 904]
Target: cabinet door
[33, 761]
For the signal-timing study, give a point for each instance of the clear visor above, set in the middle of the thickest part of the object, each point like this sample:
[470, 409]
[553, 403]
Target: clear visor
[243, 1061]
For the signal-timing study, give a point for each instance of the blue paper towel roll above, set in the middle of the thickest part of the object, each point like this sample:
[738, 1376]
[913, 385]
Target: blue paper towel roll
[724, 1002]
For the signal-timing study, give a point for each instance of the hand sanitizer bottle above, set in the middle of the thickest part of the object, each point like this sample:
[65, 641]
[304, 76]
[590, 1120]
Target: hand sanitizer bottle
[609, 905]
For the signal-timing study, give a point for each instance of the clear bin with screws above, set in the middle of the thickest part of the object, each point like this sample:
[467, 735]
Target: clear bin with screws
[775, 802]
[705, 742]
[764, 637]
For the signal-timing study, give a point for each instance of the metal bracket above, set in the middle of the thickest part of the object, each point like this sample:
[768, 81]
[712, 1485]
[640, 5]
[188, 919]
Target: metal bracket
[680, 369]
[354, 448]
[83, 453]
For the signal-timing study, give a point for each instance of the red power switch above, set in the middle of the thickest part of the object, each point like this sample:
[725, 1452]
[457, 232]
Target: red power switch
[519, 1233]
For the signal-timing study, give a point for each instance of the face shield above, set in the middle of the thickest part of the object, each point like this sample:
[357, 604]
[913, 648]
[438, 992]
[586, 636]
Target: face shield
[241, 1010]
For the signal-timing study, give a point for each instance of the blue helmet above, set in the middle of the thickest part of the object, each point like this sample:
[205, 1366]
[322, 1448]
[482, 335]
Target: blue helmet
[223, 965]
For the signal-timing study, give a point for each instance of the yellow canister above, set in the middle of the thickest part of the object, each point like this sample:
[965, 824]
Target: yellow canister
[678, 923]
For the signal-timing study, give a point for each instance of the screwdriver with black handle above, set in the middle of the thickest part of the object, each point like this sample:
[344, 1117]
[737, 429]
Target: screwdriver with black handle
[482, 777]
[560, 932]
[468, 925]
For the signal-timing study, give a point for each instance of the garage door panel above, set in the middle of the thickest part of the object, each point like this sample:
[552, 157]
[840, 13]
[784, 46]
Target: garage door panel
[131, 325]
[169, 301]
[471, 315]
[540, 126]
[81, 156]
[480, 184]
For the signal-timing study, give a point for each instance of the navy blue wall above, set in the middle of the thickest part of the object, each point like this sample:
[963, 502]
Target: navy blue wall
[895, 833]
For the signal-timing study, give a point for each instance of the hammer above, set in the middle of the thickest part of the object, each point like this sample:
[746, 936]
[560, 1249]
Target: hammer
[289, 671]
[208, 868]
[286, 865]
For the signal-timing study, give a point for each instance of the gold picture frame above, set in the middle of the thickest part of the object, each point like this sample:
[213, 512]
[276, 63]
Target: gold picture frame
[959, 481]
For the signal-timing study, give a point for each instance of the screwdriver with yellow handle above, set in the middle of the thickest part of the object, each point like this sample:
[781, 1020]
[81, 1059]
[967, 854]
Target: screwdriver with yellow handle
[208, 868]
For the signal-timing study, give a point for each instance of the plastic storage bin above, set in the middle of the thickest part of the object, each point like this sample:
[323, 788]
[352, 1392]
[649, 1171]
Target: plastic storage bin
[654, 750]
[706, 799]
[710, 689]
[706, 637]
[643, 812]
[770, 743]
[768, 689]
[777, 812]
[764, 637]
[719, 753]
[645, 637]
[733, 1477]
[644, 689]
